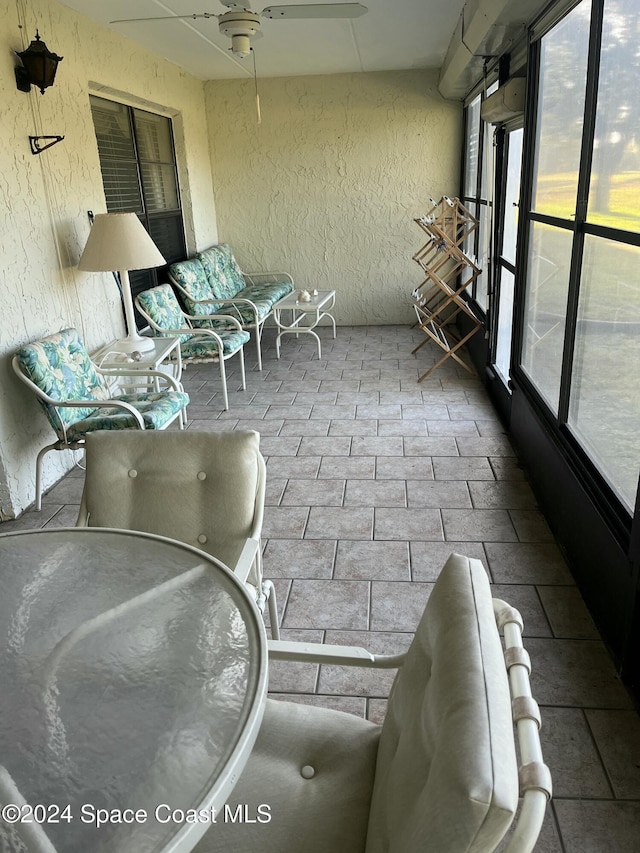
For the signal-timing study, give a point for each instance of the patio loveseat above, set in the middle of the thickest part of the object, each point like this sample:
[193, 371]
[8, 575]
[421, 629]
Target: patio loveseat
[213, 282]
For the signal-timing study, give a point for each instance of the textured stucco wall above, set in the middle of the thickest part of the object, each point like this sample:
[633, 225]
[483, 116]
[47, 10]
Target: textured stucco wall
[327, 186]
[44, 199]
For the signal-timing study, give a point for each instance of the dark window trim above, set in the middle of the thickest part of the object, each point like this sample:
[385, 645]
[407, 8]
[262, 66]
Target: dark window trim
[143, 279]
[616, 513]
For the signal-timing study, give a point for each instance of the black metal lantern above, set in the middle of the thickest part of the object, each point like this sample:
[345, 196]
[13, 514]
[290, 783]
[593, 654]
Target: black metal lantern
[38, 66]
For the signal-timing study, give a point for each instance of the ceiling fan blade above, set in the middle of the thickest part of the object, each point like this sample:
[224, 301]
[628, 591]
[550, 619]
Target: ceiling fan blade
[315, 10]
[193, 16]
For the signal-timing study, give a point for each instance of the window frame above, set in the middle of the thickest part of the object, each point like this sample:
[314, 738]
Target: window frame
[484, 182]
[617, 513]
[145, 279]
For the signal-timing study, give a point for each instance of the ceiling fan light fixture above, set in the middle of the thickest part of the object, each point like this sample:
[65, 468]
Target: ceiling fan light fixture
[240, 46]
[240, 25]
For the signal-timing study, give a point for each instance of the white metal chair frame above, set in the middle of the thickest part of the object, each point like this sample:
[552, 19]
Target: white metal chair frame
[204, 334]
[64, 443]
[256, 323]
[251, 555]
[534, 775]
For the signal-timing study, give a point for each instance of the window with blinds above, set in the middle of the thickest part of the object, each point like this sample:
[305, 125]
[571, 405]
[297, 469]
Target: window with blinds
[138, 163]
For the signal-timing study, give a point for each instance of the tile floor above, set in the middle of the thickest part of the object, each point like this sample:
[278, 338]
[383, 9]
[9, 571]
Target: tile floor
[373, 479]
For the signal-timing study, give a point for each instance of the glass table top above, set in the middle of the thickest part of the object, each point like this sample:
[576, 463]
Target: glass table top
[133, 672]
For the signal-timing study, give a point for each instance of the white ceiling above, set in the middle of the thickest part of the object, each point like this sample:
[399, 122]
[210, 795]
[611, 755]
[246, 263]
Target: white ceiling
[393, 35]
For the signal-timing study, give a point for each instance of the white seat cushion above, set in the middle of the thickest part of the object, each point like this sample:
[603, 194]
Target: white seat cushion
[327, 813]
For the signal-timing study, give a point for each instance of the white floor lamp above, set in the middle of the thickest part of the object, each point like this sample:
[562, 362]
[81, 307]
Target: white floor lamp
[118, 242]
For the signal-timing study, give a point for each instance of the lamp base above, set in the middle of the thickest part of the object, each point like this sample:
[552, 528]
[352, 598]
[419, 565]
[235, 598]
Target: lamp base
[131, 345]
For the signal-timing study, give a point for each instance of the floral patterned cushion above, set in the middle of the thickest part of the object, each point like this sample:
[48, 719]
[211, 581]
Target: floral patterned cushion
[223, 273]
[225, 281]
[245, 313]
[270, 290]
[160, 304]
[192, 277]
[61, 367]
[264, 296]
[231, 265]
[156, 407]
[211, 322]
[200, 348]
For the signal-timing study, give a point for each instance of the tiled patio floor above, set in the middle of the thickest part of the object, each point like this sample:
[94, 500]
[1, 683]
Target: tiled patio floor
[373, 479]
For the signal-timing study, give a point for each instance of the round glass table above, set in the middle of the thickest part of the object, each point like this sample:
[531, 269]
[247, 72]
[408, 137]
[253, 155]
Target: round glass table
[133, 673]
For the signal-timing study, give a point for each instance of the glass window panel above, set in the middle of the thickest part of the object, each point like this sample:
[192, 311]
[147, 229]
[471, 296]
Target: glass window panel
[472, 148]
[484, 236]
[139, 175]
[546, 307]
[140, 280]
[488, 152]
[605, 390]
[160, 188]
[469, 242]
[512, 196]
[505, 323]
[168, 234]
[117, 156]
[561, 98]
[113, 128]
[615, 175]
[121, 186]
[153, 134]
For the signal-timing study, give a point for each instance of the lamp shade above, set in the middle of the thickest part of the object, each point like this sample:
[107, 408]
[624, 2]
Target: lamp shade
[119, 241]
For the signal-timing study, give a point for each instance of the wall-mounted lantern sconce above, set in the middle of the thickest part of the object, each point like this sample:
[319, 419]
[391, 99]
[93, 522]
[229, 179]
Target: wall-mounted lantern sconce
[38, 66]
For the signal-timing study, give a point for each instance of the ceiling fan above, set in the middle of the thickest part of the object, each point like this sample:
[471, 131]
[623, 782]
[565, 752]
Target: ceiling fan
[241, 24]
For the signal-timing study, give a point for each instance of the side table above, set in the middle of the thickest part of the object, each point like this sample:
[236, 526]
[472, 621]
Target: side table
[109, 356]
[305, 316]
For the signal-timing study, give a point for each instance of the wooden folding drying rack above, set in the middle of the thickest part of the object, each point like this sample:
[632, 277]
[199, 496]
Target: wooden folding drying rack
[449, 271]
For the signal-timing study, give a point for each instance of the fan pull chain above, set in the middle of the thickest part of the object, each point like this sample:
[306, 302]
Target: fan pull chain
[255, 80]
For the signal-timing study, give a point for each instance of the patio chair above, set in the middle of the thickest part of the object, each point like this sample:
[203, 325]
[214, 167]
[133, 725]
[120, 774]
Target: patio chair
[213, 282]
[441, 774]
[166, 318]
[205, 489]
[78, 398]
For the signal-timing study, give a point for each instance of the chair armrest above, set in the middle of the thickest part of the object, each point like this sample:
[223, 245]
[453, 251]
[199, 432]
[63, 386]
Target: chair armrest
[159, 374]
[534, 775]
[103, 404]
[202, 318]
[80, 404]
[96, 403]
[237, 300]
[274, 276]
[330, 654]
[246, 559]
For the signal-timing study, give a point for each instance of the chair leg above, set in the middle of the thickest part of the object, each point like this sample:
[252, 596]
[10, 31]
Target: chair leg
[244, 377]
[259, 343]
[223, 378]
[39, 458]
[269, 592]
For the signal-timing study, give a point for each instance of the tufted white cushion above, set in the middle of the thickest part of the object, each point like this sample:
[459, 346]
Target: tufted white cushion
[446, 776]
[326, 813]
[199, 488]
